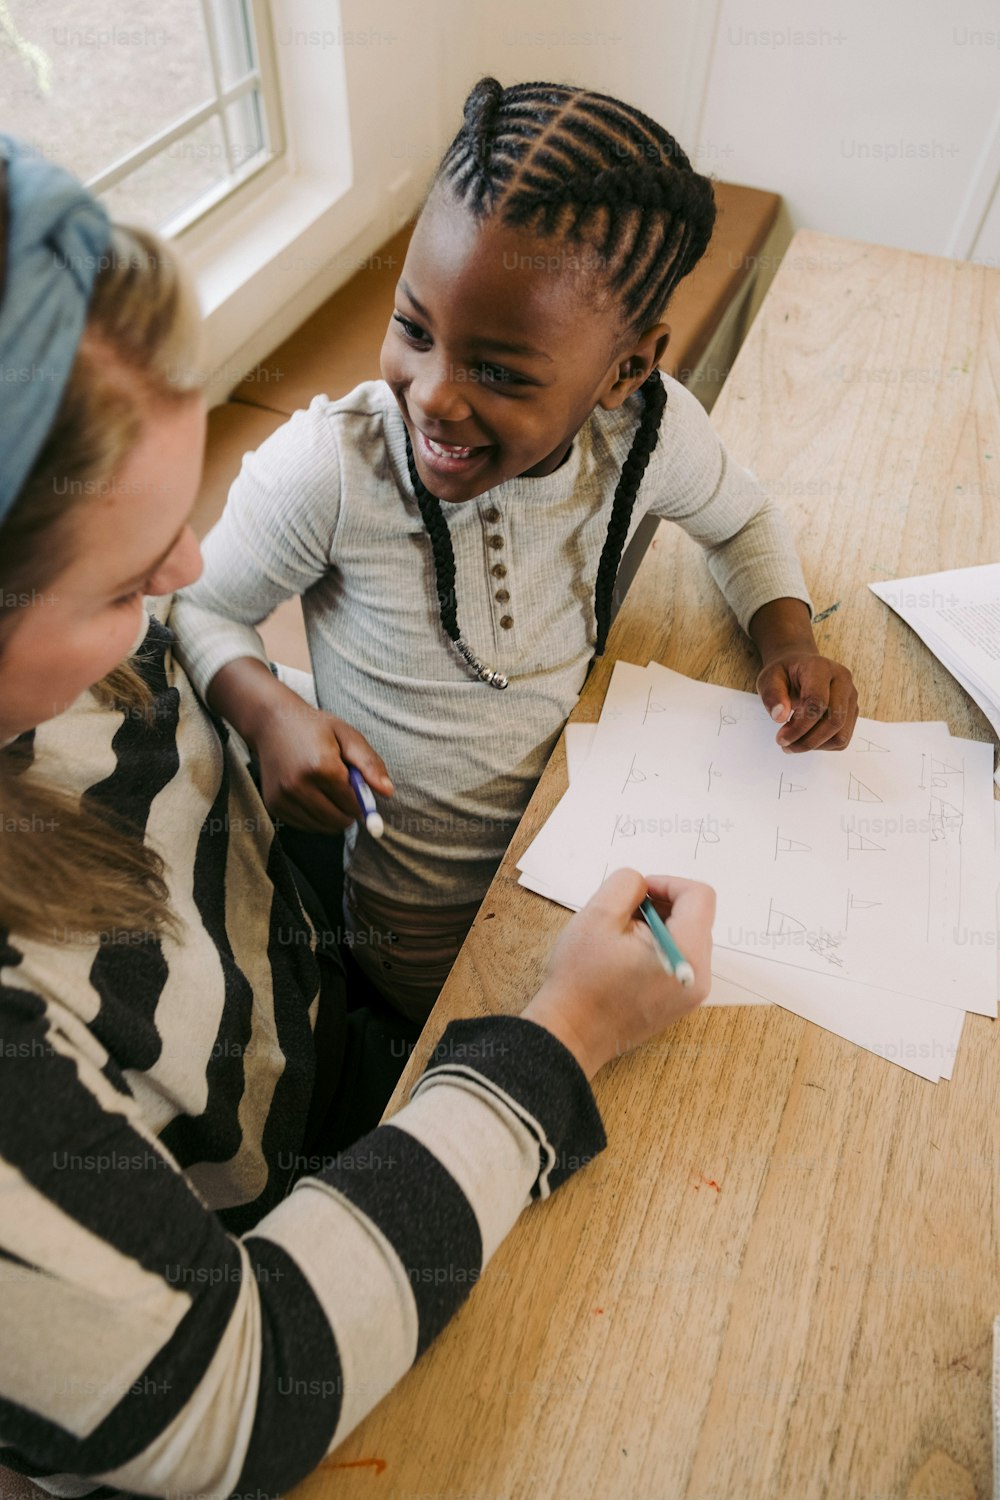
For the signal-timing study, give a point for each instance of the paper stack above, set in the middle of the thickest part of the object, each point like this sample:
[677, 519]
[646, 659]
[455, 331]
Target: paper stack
[855, 888]
[956, 614]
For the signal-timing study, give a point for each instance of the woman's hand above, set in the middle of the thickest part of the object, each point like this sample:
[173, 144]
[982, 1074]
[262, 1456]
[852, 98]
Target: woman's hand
[813, 697]
[606, 989]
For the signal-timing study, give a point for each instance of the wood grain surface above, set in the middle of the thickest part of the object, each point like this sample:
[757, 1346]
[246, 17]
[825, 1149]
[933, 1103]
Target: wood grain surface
[779, 1279]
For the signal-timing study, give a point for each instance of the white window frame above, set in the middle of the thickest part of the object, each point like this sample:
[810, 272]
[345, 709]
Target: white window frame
[269, 255]
[263, 79]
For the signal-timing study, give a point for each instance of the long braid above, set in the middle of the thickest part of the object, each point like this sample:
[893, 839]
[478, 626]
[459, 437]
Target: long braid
[654, 397]
[444, 554]
[444, 571]
[563, 162]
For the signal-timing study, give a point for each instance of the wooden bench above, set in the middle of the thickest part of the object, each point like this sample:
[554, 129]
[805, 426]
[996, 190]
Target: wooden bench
[338, 347]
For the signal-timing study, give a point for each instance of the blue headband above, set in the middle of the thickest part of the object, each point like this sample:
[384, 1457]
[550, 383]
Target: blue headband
[57, 240]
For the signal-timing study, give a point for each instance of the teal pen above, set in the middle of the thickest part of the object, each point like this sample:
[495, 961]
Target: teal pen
[673, 959]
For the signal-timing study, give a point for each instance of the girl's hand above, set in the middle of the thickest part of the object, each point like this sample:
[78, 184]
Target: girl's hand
[813, 697]
[303, 768]
[606, 989]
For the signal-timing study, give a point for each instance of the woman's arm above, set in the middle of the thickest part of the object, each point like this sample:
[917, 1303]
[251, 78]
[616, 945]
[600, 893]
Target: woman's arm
[143, 1346]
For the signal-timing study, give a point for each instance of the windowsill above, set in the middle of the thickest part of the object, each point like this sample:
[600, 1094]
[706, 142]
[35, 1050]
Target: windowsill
[271, 264]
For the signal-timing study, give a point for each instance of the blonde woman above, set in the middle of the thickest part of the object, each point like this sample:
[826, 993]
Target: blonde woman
[198, 1295]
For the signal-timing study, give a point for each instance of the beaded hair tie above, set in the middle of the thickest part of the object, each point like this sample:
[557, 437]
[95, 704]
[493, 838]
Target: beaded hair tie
[487, 674]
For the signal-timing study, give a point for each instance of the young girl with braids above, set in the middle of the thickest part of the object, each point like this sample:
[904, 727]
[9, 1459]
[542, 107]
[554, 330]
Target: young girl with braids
[455, 529]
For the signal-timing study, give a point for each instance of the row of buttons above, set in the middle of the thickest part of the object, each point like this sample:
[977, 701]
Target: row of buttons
[498, 570]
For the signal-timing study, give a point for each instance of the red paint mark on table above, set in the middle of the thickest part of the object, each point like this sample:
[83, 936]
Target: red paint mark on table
[598, 1309]
[378, 1464]
[708, 1182]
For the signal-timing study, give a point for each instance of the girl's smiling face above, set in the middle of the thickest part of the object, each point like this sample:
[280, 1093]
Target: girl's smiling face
[500, 347]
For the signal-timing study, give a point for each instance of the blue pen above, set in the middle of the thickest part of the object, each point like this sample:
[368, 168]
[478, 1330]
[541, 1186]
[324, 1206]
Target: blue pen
[673, 959]
[366, 802]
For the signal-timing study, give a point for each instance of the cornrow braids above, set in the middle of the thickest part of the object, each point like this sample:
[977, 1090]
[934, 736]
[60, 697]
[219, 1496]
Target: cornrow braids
[561, 161]
[557, 160]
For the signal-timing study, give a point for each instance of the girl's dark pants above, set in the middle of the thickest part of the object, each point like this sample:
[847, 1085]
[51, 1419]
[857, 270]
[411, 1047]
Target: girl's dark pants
[362, 1044]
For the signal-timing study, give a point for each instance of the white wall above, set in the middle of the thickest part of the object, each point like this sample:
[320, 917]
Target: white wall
[874, 119]
[881, 124]
[650, 52]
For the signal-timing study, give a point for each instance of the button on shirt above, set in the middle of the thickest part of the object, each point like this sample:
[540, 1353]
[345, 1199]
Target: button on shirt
[491, 516]
[324, 509]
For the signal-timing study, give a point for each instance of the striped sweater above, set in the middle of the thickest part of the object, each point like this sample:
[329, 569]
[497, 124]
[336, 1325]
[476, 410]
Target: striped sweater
[182, 1312]
[325, 509]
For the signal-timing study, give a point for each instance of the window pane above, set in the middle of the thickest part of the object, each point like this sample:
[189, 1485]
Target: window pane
[118, 71]
[245, 120]
[233, 39]
[172, 181]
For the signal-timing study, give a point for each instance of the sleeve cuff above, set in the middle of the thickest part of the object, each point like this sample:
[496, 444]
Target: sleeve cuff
[746, 609]
[522, 1065]
[207, 642]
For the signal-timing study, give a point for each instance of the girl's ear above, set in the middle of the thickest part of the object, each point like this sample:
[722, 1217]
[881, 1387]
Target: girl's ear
[635, 365]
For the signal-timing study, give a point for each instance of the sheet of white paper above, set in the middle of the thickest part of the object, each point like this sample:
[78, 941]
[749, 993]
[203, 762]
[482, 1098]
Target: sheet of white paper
[724, 991]
[975, 689]
[917, 1035]
[864, 864]
[579, 738]
[957, 614]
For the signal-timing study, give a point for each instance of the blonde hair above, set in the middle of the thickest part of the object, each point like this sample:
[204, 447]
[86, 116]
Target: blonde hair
[93, 872]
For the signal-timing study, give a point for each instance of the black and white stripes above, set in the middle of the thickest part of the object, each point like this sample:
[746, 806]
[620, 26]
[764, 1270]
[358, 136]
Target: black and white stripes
[152, 1108]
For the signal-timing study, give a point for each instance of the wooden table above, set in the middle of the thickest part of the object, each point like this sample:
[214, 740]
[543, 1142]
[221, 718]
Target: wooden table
[780, 1278]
